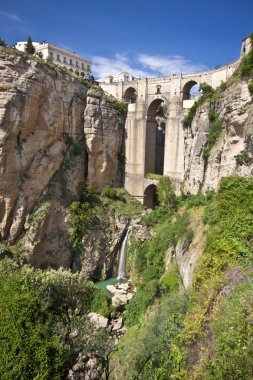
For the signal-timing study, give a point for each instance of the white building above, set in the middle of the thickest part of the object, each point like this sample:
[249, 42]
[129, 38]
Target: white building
[121, 77]
[71, 61]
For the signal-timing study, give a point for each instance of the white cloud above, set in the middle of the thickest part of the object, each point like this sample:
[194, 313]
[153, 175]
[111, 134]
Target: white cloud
[144, 65]
[168, 65]
[11, 16]
[103, 67]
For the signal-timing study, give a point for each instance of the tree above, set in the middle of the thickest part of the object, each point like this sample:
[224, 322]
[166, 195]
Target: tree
[2, 42]
[44, 317]
[30, 49]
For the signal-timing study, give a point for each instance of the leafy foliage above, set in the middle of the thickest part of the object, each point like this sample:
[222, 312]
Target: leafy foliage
[242, 158]
[29, 49]
[43, 318]
[213, 135]
[82, 214]
[166, 193]
[207, 93]
[117, 201]
[146, 261]
[2, 42]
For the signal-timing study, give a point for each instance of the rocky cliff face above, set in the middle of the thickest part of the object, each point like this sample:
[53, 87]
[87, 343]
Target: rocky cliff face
[232, 153]
[54, 132]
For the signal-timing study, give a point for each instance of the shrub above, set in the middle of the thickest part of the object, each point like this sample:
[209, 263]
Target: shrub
[100, 303]
[2, 42]
[207, 93]
[43, 322]
[233, 331]
[242, 158]
[29, 49]
[166, 193]
[250, 87]
[213, 135]
[110, 192]
[82, 214]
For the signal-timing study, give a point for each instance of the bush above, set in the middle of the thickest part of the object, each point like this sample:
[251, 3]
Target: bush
[2, 42]
[233, 331]
[82, 215]
[215, 130]
[144, 297]
[110, 192]
[29, 49]
[242, 158]
[250, 87]
[207, 93]
[166, 193]
[43, 322]
[101, 303]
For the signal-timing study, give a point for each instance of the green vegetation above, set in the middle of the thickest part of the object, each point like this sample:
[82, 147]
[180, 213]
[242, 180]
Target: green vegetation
[153, 176]
[29, 49]
[242, 158]
[215, 130]
[215, 326]
[207, 93]
[82, 214]
[233, 330]
[38, 216]
[250, 87]
[119, 107]
[117, 202]
[246, 67]
[2, 42]
[43, 322]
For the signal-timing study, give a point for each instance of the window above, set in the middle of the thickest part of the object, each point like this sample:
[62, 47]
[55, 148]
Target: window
[51, 54]
[82, 65]
[58, 58]
[77, 63]
[64, 59]
[88, 67]
[70, 61]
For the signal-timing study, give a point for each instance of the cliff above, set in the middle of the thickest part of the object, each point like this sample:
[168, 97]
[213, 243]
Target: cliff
[55, 131]
[230, 152]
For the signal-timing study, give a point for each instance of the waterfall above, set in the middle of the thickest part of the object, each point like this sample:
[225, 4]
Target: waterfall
[122, 258]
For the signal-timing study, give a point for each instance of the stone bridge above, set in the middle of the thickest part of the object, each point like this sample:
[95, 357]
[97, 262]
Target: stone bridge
[148, 147]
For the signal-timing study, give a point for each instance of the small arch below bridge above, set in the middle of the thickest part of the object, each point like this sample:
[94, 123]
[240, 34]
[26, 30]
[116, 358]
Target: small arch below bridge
[150, 197]
[190, 90]
[130, 95]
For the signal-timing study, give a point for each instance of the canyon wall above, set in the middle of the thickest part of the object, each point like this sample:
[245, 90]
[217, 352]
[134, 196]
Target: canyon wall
[55, 131]
[232, 153]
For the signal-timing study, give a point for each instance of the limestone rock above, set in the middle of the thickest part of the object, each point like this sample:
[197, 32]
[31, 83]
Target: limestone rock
[51, 136]
[98, 320]
[86, 368]
[236, 109]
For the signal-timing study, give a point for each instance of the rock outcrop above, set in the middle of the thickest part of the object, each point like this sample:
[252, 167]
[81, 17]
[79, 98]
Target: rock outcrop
[54, 132]
[235, 107]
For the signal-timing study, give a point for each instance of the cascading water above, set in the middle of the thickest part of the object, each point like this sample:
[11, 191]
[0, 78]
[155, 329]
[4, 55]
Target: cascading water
[122, 258]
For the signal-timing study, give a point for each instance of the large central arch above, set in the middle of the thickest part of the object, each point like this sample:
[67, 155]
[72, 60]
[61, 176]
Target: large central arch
[155, 137]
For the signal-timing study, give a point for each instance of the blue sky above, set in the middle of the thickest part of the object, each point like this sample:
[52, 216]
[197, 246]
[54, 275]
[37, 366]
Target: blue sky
[148, 38]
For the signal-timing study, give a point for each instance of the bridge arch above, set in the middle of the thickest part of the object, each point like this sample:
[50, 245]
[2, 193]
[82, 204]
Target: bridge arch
[130, 95]
[155, 136]
[150, 196]
[190, 90]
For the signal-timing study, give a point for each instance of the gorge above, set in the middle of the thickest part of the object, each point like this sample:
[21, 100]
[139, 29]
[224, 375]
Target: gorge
[69, 151]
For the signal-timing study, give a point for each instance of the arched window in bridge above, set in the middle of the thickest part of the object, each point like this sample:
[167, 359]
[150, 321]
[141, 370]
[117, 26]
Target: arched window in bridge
[158, 89]
[130, 95]
[190, 90]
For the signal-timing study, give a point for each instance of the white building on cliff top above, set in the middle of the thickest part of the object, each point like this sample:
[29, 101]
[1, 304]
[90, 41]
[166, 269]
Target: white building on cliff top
[71, 61]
